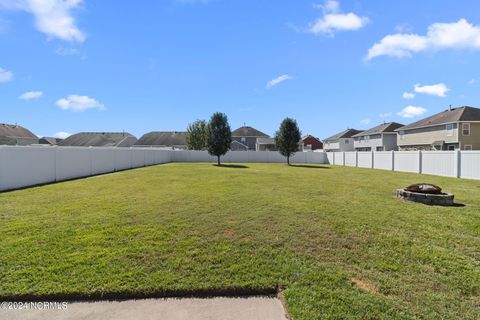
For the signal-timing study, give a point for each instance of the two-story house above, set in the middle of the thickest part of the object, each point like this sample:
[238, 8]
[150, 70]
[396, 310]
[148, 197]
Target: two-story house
[454, 128]
[380, 138]
[342, 141]
[245, 138]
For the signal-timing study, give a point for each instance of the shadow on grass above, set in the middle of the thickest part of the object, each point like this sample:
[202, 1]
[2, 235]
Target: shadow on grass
[231, 166]
[309, 166]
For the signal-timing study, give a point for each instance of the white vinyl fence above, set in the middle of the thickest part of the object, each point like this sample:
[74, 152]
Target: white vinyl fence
[33, 165]
[458, 164]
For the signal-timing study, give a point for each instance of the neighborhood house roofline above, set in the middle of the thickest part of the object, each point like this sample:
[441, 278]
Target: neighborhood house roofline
[342, 135]
[249, 132]
[449, 116]
[388, 127]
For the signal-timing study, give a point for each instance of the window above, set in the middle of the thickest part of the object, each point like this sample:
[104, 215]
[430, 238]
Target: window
[449, 129]
[401, 134]
[467, 147]
[451, 148]
[346, 141]
[465, 129]
[243, 139]
[367, 138]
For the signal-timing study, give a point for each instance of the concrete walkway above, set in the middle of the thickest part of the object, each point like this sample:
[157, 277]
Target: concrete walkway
[254, 308]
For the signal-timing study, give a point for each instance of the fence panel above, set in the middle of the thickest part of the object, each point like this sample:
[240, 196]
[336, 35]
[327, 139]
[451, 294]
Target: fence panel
[123, 159]
[351, 159]
[138, 157]
[23, 166]
[407, 161]
[383, 160]
[440, 163]
[103, 160]
[73, 162]
[149, 157]
[339, 157]
[365, 159]
[330, 156]
[470, 161]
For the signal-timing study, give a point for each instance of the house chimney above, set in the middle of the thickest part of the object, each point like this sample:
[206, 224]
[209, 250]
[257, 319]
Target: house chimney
[450, 108]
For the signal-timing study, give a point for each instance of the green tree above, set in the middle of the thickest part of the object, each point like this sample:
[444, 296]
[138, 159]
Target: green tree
[219, 135]
[287, 138]
[197, 135]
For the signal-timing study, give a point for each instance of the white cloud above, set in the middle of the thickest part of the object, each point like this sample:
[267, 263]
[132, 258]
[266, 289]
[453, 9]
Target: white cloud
[52, 17]
[62, 135]
[472, 81]
[333, 20]
[455, 35]
[272, 83]
[438, 90]
[31, 95]
[411, 112]
[79, 103]
[5, 75]
[385, 115]
[365, 121]
[408, 95]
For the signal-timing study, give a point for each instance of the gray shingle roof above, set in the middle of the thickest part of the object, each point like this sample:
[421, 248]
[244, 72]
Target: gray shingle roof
[465, 113]
[95, 139]
[16, 131]
[246, 131]
[49, 140]
[344, 134]
[384, 127]
[163, 138]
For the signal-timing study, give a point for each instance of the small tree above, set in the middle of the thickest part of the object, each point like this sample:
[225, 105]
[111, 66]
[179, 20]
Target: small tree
[287, 138]
[219, 135]
[197, 135]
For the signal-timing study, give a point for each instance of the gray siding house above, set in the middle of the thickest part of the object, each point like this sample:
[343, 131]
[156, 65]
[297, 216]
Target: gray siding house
[454, 128]
[380, 138]
[12, 134]
[342, 141]
[248, 137]
[99, 139]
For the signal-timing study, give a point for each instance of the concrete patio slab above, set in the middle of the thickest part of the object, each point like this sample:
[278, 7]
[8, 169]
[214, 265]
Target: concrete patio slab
[251, 308]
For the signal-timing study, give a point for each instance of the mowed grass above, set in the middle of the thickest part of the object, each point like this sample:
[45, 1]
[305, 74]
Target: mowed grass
[335, 238]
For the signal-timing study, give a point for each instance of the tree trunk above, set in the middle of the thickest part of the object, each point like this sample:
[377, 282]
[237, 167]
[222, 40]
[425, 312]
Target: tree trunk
[288, 160]
[218, 160]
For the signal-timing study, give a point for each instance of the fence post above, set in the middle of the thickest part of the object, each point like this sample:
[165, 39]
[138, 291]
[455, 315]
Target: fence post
[373, 159]
[458, 164]
[356, 159]
[91, 160]
[420, 164]
[344, 158]
[393, 160]
[55, 161]
[333, 159]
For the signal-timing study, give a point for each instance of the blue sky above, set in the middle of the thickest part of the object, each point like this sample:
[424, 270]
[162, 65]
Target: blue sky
[84, 65]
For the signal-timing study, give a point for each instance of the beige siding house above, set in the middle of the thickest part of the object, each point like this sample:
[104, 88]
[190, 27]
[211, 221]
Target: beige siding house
[452, 129]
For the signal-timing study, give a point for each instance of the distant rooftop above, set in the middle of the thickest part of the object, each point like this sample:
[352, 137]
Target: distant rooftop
[96, 139]
[384, 127]
[15, 131]
[247, 131]
[344, 134]
[464, 113]
[163, 138]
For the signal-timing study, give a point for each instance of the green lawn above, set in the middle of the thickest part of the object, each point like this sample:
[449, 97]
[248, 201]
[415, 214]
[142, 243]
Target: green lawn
[335, 238]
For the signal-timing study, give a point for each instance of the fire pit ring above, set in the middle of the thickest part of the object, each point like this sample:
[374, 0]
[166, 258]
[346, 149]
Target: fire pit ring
[427, 194]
